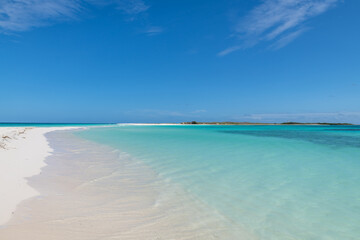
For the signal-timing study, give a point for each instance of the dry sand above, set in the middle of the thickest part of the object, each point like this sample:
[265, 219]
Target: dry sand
[22, 155]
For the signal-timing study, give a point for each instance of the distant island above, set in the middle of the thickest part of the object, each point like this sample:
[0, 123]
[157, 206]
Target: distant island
[251, 123]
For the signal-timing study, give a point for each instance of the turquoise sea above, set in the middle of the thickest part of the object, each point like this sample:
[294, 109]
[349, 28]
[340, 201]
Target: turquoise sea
[275, 182]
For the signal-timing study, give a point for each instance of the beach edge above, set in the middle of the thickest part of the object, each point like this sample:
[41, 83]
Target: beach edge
[23, 154]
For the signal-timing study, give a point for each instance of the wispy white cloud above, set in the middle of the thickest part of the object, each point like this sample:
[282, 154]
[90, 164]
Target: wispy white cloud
[154, 30]
[22, 15]
[287, 38]
[278, 21]
[229, 50]
[199, 111]
[131, 7]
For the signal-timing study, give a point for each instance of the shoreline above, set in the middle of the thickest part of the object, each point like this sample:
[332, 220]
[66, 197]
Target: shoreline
[23, 151]
[85, 183]
[90, 189]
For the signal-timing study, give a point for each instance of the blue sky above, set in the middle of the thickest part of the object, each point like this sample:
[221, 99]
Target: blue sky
[171, 61]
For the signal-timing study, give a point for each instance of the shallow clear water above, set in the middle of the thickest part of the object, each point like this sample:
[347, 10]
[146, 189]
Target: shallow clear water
[276, 182]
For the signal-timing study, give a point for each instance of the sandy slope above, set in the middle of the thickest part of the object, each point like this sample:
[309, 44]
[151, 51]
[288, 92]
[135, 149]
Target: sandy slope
[22, 154]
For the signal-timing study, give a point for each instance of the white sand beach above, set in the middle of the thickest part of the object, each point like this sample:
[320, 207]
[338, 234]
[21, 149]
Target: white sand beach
[89, 191]
[22, 154]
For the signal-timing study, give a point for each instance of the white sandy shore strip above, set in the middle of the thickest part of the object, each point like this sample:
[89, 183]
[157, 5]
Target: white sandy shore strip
[22, 155]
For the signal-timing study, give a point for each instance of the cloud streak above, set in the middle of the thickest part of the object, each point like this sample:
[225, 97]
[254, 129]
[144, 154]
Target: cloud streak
[278, 21]
[229, 50]
[154, 30]
[131, 7]
[22, 15]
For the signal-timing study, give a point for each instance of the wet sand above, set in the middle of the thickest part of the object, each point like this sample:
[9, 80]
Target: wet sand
[91, 191]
